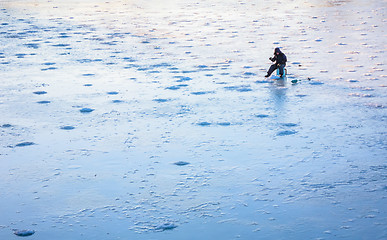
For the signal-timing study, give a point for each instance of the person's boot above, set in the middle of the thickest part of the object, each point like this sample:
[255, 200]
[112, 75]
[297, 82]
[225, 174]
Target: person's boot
[267, 75]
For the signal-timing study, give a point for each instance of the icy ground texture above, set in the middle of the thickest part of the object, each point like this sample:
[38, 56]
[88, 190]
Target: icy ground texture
[152, 120]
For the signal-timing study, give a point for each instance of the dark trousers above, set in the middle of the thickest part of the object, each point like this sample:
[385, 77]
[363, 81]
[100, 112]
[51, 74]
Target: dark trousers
[274, 67]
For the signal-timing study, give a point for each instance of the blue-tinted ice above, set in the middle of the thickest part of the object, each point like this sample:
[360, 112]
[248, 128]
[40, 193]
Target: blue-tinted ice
[153, 120]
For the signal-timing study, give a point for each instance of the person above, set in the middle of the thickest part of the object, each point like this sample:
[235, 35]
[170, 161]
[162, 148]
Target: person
[280, 62]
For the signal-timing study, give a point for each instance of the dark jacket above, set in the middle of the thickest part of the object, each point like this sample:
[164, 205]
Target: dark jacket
[280, 58]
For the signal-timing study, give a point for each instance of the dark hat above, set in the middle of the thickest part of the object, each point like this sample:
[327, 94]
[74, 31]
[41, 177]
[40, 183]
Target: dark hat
[277, 50]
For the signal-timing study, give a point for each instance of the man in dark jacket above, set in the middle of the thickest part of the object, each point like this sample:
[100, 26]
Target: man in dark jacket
[280, 62]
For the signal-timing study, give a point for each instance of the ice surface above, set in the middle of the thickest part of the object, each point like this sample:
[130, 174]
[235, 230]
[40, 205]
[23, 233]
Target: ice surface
[153, 120]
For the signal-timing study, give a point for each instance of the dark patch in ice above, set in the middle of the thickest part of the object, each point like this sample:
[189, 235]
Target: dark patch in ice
[204, 124]
[316, 83]
[40, 92]
[161, 100]
[67, 127]
[128, 59]
[286, 133]
[112, 93]
[173, 88]
[87, 60]
[177, 87]
[142, 68]
[222, 83]
[44, 102]
[224, 124]
[246, 89]
[189, 71]
[20, 55]
[50, 68]
[249, 74]
[63, 35]
[132, 66]
[352, 80]
[202, 66]
[49, 63]
[232, 88]
[24, 144]
[182, 78]
[301, 95]
[23, 233]
[112, 43]
[7, 125]
[166, 226]
[289, 124]
[262, 115]
[201, 92]
[88, 85]
[86, 110]
[88, 74]
[205, 68]
[117, 101]
[32, 45]
[61, 45]
[160, 65]
[181, 163]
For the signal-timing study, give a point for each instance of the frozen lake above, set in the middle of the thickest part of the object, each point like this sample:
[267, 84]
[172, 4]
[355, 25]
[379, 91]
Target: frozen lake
[152, 119]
